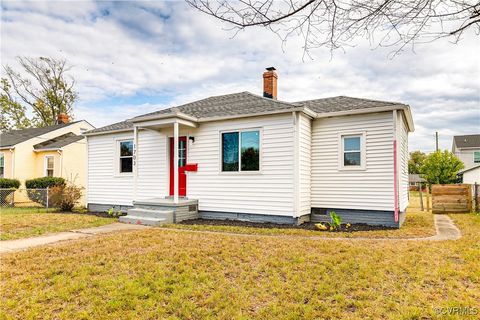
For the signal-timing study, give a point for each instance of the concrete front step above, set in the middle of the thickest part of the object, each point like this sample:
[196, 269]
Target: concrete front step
[146, 221]
[151, 213]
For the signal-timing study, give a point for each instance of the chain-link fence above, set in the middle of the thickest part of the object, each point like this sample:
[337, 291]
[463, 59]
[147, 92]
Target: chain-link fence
[25, 198]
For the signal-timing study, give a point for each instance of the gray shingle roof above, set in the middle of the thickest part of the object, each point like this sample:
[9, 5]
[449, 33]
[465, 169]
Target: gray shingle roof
[112, 127]
[13, 137]
[246, 103]
[343, 103]
[228, 105]
[468, 141]
[59, 142]
[413, 177]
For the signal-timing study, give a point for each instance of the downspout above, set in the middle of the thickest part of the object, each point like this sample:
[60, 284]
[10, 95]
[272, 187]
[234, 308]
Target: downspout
[395, 166]
[135, 161]
[59, 151]
[296, 171]
[13, 162]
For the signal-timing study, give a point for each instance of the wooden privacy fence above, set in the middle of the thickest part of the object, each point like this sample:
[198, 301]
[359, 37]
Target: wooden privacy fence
[451, 198]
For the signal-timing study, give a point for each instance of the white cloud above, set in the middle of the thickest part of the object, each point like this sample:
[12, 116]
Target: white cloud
[166, 54]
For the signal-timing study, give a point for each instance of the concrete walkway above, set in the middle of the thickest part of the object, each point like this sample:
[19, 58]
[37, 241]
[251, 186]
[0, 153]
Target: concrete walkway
[445, 230]
[22, 244]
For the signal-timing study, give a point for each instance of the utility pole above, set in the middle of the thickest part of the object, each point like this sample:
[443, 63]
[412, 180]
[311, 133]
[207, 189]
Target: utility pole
[436, 140]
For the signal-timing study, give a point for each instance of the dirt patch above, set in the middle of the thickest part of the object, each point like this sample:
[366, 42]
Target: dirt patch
[268, 225]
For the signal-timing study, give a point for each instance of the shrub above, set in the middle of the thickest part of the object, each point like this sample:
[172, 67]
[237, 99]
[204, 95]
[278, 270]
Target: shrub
[44, 182]
[10, 185]
[40, 196]
[65, 196]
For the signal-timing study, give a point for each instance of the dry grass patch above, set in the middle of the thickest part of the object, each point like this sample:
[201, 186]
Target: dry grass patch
[18, 223]
[161, 273]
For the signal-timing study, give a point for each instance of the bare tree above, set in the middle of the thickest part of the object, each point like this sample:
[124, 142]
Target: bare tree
[37, 95]
[338, 23]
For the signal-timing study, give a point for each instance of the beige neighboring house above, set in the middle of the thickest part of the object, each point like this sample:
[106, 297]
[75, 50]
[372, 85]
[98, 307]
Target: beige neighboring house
[467, 149]
[57, 151]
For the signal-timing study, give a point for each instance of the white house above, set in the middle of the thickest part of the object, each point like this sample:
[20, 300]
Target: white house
[467, 149]
[248, 157]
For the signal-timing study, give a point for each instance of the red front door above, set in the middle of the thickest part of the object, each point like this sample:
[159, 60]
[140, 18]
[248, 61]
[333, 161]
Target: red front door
[182, 162]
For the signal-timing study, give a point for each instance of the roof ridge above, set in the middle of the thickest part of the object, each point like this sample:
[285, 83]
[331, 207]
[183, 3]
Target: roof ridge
[349, 97]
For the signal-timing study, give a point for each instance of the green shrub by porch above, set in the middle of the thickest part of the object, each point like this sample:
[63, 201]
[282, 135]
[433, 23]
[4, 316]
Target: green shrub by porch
[8, 187]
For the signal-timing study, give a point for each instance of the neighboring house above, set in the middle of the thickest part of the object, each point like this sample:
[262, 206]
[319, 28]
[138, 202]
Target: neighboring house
[247, 157]
[58, 150]
[467, 149]
[415, 181]
[470, 176]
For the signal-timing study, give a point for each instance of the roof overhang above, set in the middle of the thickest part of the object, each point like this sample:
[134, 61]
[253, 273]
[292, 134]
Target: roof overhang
[108, 132]
[173, 115]
[7, 148]
[47, 150]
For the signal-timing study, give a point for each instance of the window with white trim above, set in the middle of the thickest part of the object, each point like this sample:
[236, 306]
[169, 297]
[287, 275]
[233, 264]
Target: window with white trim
[49, 166]
[241, 151]
[476, 156]
[125, 152]
[2, 164]
[352, 151]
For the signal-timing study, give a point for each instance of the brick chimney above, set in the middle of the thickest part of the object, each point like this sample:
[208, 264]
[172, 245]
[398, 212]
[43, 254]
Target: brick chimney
[63, 118]
[270, 83]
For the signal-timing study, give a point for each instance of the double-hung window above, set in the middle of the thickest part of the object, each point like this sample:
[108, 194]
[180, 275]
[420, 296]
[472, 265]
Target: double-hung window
[126, 156]
[241, 151]
[352, 152]
[49, 166]
[476, 156]
[2, 165]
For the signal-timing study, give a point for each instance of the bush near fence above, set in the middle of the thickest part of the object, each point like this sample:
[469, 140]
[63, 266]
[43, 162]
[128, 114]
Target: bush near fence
[36, 186]
[451, 198]
[7, 187]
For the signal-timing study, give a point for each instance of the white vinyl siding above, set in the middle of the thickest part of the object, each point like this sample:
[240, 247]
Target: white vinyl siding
[305, 145]
[106, 186]
[402, 144]
[268, 191]
[368, 189]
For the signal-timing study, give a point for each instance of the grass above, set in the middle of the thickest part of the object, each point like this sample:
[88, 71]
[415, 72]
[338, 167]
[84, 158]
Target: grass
[18, 223]
[165, 273]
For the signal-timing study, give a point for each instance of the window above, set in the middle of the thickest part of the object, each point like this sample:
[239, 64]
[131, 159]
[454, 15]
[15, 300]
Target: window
[351, 152]
[126, 156]
[49, 164]
[2, 165]
[182, 153]
[476, 156]
[241, 151]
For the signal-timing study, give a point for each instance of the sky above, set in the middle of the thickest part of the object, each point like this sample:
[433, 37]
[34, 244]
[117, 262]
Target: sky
[130, 58]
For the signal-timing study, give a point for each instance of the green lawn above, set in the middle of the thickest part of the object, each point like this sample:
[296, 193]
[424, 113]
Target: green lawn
[166, 273]
[18, 223]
